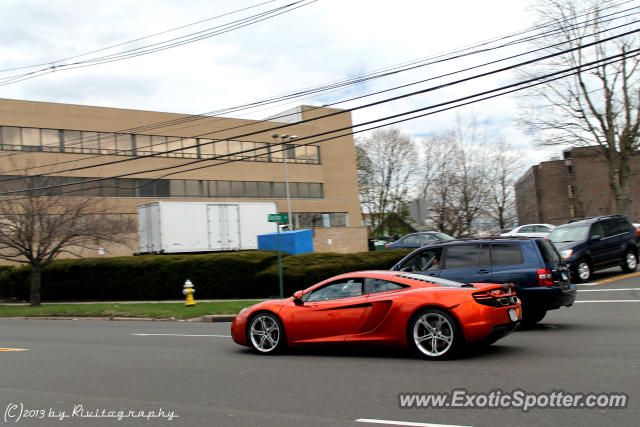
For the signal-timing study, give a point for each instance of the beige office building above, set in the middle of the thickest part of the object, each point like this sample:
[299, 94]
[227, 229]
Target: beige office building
[151, 156]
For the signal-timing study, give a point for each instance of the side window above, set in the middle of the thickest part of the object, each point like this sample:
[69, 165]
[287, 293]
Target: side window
[427, 260]
[527, 229]
[542, 229]
[337, 290]
[411, 240]
[506, 254]
[596, 229]
[610, 228]
[379, 285]
[622, 226]
[463, 256]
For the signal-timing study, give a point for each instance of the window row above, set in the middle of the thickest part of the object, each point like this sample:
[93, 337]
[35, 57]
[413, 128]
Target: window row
[320, 219]
[85, 142]
[129, 187]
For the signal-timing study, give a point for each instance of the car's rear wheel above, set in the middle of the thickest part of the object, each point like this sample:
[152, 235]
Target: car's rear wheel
[582, 271]
[434, 334]
[266, 333]
[630, 262]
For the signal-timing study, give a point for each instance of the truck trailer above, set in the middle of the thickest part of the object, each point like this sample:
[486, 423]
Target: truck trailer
[179, 227]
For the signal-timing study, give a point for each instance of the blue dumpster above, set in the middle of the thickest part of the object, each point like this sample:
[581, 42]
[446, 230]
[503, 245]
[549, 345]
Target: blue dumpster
[292, 242]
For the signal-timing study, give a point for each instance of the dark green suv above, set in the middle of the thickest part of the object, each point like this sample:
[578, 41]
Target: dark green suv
[596, 243]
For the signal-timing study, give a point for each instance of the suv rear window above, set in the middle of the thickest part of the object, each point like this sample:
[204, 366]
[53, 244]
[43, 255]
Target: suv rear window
[506, 254]
[549, 253]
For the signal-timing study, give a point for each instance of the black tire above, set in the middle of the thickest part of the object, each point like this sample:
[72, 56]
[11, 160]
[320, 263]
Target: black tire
[434, 334]
[265, 333]
[581, 271]
[630, 263]
[532, 315]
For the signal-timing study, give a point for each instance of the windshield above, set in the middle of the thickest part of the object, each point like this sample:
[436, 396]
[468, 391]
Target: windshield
[569, 234]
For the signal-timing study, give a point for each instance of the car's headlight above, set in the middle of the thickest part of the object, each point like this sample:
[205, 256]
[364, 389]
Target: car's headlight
[566, 253]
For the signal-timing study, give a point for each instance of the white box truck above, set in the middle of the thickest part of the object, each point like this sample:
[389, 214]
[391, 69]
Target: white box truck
[174, 227]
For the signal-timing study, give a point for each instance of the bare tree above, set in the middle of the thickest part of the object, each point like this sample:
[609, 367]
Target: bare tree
[386, 162]
[36, 226]
[455, 178]
[596, 106]
[505, 168]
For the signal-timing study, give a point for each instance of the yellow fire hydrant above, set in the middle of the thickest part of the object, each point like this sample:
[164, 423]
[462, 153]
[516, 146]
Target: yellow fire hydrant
[189, 291]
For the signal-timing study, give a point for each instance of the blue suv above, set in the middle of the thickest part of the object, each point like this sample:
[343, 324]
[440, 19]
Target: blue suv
[592, 244]
[532, 264]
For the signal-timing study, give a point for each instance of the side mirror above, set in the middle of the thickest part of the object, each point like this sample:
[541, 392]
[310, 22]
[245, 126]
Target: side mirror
[596, 237]
[297, 297]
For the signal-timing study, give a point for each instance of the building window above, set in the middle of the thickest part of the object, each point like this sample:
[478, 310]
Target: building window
[109, 143]
[572, 191]
[572, 210]
[320, 219]
[567, 155]
[569, 170]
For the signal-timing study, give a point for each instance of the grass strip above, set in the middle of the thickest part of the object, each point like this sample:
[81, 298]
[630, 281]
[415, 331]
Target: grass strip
[152, 310]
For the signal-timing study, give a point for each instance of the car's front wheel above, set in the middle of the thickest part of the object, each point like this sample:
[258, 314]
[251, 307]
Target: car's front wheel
[434, 334]
[582, 271]
[266, 333]
[630, 262]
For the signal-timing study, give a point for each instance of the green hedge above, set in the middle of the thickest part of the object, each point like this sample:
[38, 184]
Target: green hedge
[250, 274]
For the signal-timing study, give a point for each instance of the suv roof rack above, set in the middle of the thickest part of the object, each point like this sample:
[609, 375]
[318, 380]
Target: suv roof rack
[595, 218]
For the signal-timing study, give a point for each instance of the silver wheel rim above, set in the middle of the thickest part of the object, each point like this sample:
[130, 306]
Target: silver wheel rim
[264, 333]
[632, 262]
[433, 334]
[584, 271]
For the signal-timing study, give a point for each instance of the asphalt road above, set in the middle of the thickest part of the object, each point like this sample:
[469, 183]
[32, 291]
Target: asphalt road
[193, 371]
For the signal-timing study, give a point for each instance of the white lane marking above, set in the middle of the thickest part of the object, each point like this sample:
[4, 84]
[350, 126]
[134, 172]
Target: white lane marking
[181, 335]
[589, 284]
[607, 290]
[608, 300]
[403, 423]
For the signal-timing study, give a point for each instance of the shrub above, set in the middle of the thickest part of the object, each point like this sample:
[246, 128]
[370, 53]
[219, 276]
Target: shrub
[247, 274]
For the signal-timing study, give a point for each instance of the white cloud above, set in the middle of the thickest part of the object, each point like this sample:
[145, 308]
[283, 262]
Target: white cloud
[323, 42]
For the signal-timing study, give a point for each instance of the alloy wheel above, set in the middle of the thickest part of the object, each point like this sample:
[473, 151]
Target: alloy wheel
[265, 333]
[433, 334]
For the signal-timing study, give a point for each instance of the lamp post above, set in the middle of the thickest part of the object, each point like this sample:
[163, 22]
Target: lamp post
[283, 138]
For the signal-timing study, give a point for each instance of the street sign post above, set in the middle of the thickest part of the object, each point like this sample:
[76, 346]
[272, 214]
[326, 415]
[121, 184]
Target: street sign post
[280, 219]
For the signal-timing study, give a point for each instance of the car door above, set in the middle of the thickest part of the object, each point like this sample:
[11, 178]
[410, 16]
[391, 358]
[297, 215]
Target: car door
[326, 314]
[381, 297]
[605, 249]
[467, 263]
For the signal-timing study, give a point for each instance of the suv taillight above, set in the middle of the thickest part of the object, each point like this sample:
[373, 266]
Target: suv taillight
[544, 277]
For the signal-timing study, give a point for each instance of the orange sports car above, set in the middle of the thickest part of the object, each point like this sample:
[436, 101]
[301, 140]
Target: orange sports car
[433, 316]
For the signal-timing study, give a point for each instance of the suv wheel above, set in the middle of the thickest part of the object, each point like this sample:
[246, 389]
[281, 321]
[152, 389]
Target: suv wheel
[532, 315]
[582, 271]
[630, 262]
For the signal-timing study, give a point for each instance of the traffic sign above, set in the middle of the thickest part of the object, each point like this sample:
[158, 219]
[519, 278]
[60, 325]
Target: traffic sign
[278, 217]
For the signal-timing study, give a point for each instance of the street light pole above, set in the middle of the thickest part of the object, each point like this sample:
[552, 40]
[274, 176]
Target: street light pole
[286, 174]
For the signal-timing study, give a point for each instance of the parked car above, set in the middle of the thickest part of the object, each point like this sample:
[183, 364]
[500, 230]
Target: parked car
[532, 264]
[415, 240]
[500, 232]
[531, 230]
[433, 316]
[595, 243]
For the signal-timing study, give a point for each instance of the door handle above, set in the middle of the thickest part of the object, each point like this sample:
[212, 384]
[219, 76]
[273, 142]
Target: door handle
[483, 271]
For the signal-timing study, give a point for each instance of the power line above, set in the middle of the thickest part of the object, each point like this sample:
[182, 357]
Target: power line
[376, 103]
[338, 102]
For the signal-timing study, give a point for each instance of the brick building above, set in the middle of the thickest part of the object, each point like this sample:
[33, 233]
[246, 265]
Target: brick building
[322, 179]
[572, 187]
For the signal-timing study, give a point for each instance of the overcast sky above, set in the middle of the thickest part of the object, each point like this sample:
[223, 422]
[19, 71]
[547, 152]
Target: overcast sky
[321, 42]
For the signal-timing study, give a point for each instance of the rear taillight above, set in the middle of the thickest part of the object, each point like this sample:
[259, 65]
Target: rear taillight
[386, 246]
[637, 229]
[544, 277]
[497, 297]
